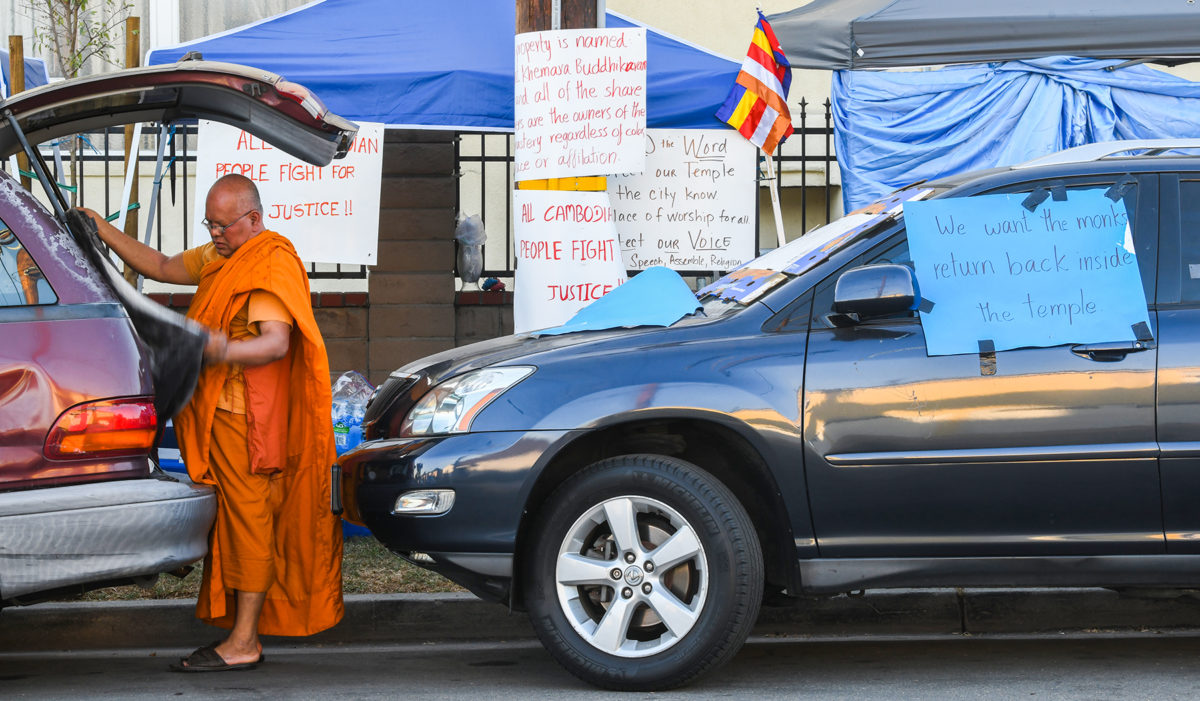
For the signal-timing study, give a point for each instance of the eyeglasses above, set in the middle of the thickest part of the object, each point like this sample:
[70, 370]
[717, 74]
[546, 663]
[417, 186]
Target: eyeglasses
[210, 225]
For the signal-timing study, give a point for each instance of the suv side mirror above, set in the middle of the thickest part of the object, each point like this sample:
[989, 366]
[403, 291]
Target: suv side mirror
[875, 290]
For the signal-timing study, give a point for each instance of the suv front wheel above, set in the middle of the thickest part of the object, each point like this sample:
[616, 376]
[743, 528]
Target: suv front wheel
[644, 572]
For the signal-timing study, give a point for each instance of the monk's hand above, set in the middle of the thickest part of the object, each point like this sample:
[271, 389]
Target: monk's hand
[216, 349]
[90, 214]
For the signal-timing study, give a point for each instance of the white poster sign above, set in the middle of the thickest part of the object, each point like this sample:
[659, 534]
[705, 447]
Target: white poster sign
[567, 255]
[580, 102]
[694, 207]
[330, 214]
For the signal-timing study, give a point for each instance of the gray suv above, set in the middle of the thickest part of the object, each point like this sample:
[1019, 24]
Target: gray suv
[638, 490]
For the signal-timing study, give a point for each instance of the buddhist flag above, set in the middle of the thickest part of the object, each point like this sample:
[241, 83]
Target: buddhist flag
[757, 104]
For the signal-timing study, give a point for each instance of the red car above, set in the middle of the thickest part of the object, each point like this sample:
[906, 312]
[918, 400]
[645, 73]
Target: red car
[90, 370]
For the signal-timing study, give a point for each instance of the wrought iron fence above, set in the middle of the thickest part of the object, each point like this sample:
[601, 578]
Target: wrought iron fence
[484, 166]
[796, 150]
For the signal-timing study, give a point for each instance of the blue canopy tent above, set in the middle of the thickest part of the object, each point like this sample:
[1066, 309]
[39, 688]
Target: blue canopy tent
[35, 72]
[894, 128]
[444, 65]
[1019, 97]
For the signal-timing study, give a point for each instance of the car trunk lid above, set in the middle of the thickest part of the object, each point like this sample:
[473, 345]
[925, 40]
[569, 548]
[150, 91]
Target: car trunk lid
[281, 113]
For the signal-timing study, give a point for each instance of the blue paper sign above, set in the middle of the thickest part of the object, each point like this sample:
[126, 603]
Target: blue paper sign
[657, 296]
[1066, 272]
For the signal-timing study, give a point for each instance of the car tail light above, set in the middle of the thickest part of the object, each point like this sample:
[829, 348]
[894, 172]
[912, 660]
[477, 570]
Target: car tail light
[108, 428]
[301, 96]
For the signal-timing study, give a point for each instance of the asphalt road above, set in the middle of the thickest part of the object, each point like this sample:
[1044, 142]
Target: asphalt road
[1081, 666]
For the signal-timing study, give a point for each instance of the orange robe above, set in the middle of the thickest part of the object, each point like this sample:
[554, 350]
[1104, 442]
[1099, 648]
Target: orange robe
[287, 439]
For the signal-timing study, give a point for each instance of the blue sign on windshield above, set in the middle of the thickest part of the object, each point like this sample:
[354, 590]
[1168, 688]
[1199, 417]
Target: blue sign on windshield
[1066, 272]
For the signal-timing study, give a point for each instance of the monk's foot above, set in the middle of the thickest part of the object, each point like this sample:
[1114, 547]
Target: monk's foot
[236, 653]
[207, 659]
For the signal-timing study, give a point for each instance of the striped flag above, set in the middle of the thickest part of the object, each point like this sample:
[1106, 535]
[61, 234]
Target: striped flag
[757, 104]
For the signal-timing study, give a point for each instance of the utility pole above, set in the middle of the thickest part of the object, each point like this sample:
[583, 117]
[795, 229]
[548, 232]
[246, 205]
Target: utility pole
[133, 55]
[16, 73]
[544, 15]
[539, 15]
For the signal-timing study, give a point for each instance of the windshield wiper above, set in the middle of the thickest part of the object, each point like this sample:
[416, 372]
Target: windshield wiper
[39, 169]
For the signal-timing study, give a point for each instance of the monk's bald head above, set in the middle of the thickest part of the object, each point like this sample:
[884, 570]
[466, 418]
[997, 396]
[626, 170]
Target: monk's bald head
[233, 210]
[241, 189]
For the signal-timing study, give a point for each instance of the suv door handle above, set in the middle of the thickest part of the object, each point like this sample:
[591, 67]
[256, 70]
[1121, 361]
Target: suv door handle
[1110, 352]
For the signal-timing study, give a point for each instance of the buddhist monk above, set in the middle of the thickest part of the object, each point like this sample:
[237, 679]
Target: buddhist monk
[257, 429]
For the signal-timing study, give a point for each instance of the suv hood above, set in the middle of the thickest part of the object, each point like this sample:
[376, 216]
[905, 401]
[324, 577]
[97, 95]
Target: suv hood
[392, 400]
[457, 361]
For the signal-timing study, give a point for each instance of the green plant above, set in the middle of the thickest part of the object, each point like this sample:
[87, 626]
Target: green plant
[75, 31]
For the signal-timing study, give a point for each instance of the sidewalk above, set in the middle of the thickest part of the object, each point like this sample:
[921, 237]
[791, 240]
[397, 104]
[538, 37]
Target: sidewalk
[415, 618]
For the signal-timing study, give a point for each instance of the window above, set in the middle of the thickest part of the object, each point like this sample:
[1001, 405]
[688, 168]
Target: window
[21, 281]
[1142, 225]
[895, 248]
[1189, 244]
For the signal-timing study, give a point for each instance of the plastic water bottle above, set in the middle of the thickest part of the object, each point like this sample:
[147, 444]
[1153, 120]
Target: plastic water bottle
[351, 391]
[354, 422]
[341, 427]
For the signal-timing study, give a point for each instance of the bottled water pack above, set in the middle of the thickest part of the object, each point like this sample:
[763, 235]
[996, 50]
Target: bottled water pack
[351, 391]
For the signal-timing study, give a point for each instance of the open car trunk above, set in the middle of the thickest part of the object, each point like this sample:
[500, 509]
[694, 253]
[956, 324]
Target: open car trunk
[174, 343]
[281, 113]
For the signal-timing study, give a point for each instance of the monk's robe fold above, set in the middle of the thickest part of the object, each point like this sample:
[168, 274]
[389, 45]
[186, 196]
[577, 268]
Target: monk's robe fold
[289, 431]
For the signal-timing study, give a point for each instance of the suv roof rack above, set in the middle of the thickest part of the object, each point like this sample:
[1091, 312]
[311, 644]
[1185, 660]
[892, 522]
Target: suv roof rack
[1108, 149]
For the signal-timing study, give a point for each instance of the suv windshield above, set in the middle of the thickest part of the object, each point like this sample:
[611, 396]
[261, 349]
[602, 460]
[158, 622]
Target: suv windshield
[740, 287]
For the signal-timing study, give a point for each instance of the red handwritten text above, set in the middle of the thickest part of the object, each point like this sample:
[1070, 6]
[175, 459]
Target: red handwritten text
[578, 213]
[540, 250]
[300, 210]
[581, 292]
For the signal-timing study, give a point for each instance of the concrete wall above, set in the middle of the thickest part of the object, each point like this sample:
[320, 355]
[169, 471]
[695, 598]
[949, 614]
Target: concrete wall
[479, 316]
[411, 290]
[200, 18]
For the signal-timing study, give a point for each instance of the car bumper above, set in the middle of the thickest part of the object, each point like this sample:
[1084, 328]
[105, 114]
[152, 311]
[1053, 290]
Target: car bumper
[490, 474]
[64, 536]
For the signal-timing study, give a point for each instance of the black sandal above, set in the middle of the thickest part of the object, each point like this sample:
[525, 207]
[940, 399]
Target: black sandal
[206, 659]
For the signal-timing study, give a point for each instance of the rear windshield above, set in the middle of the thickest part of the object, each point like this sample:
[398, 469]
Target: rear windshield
[22, 283]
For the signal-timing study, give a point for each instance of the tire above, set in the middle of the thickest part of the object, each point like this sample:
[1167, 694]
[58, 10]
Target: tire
[655, 627]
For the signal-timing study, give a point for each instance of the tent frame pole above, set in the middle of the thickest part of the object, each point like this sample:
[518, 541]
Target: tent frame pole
[773, 186]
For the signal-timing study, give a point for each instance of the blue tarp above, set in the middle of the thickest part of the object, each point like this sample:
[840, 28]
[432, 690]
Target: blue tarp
[895, 128]
[441, 65]
[35, 72]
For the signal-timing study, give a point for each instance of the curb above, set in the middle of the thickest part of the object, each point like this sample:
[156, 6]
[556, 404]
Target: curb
[419, 618]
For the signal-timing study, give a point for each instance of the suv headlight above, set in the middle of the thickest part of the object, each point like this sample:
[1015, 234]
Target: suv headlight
[452, 405]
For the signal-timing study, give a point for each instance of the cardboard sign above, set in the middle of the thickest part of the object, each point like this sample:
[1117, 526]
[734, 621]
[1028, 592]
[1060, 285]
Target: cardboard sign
[580, 103]
[330, 214]
[695, 205]
[567, 255]
[996, 272]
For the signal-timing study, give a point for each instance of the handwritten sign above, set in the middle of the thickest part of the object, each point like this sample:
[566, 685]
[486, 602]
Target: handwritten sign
[330, 214]
[580, 102]
[994, 271]
[694, 206]
[567, 255]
